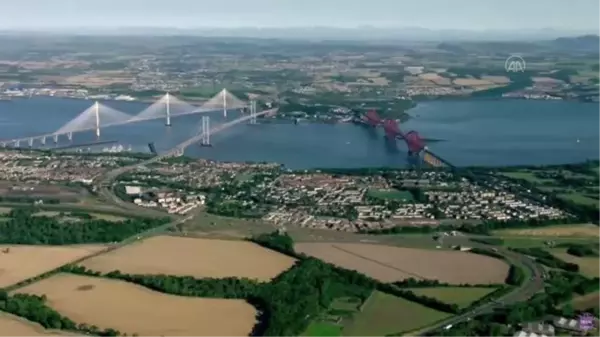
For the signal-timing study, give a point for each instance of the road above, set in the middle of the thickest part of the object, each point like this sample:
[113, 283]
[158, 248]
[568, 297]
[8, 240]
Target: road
[530, 287]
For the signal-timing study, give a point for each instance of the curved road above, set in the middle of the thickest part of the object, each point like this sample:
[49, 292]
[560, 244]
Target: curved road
[525, 291]
[104, 181]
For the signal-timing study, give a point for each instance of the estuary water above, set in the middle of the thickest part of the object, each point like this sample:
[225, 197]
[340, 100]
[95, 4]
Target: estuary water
[478, 132]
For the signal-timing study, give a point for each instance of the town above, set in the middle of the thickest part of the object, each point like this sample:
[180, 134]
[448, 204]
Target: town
[314, 199]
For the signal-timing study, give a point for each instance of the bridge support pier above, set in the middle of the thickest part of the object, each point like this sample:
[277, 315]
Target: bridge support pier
[70, 136]
[168, 108]
[224, 93]
[252, 112]
[205, 131]
[30, 142]
[55, 139]
[17, 143]
[43, 140]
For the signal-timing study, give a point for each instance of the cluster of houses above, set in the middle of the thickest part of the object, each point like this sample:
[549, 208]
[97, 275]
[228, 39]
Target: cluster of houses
[560, 326]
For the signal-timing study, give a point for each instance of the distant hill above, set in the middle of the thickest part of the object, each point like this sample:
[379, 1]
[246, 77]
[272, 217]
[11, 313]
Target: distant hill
[578, 43]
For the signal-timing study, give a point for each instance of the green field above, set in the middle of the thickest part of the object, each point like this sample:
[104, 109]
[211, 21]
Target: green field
[526, 175]
[579, 198]
[462, 296]
[320, 328]
[384, 314]
[551, 184]
[391, 194]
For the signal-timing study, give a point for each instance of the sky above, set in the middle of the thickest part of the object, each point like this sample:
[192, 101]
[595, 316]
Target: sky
[432, 14]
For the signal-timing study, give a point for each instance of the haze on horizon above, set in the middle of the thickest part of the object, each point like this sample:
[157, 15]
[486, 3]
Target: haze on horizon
[576, 15]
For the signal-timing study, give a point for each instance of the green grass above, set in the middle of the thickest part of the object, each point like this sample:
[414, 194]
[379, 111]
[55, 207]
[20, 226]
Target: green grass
[579, 198]
[323, 329]
[526, 175]
[346, 303]
[391, 194]
[385, 314]
[462, 296]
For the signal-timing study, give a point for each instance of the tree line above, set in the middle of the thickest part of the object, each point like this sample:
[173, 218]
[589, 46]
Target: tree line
[484, 228]
[22, 227]
[34, 308]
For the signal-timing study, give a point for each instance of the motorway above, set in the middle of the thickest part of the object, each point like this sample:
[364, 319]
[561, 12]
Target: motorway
[531, 286]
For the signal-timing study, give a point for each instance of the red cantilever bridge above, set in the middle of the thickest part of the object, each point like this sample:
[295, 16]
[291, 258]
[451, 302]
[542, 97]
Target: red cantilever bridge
[415, 144]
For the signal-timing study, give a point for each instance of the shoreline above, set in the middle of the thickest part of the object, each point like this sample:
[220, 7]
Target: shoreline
[147, 155]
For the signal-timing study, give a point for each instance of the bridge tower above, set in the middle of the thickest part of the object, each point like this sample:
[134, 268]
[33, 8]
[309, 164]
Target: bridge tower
[43, 140]
[55, 138]
[205, 131]
[70, 136]
[253, 112]
[17, 143]
[30, 141]
[224, 94]
[168, 108]
[97, 113]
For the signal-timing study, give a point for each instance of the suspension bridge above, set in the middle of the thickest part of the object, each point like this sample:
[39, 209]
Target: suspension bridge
[99, 116]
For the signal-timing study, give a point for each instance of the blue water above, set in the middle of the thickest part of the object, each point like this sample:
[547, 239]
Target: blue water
[480, 132]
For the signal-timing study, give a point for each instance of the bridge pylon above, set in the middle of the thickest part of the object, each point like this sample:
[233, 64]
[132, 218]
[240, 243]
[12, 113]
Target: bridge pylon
[56, 139]
[30, 141]
[168, 108]
[70, 136]
[97, 114]
[224, 93]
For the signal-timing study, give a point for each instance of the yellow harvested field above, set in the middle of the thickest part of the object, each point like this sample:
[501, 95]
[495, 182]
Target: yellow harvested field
[584, 230]
[389, 264]
[472, 82]
[100, 78]
[194, 257]
[588, 265]
[20, 262]
[131, 309]
[546, 80]
[16, 326]
[496, 79]
[435, 78]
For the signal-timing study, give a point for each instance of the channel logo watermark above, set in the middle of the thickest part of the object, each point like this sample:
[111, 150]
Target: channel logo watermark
[586, 322]
[515, 64]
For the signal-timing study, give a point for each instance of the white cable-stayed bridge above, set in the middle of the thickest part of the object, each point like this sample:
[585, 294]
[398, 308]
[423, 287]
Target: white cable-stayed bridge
[99, 116]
